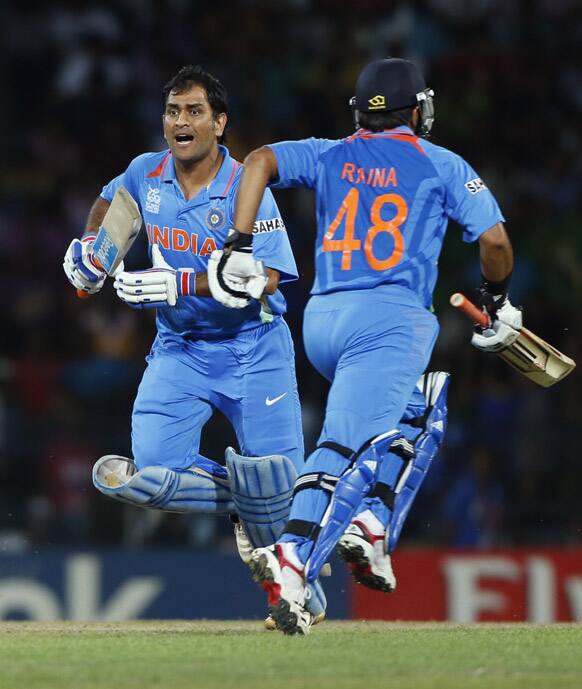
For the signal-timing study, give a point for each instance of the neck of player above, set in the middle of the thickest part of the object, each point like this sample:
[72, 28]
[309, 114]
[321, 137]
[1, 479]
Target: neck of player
[194, 175]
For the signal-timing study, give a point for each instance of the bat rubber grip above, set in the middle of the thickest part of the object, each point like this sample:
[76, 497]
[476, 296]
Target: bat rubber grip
[85, 295]
[460, 302]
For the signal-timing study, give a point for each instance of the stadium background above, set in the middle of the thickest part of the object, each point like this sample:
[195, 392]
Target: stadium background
[81, 82]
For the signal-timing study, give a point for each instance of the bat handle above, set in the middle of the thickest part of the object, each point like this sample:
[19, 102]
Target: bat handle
[85, 295]
[460, 302]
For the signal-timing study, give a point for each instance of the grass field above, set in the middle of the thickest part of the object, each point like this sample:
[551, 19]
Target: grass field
[336, 655]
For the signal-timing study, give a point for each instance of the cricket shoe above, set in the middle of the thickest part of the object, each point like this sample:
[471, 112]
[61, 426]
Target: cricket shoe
[363, 547]
[271, 625]
[280, 573]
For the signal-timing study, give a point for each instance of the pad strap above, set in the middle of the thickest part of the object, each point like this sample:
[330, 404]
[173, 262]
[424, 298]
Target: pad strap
[300, 527]
[403, 448]
[318, 480]
[340, 449]
[385, 493]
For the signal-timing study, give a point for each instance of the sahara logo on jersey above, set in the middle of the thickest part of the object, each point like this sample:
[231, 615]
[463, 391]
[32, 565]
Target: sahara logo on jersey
[476, 185]
[153, 200]
[270, 225]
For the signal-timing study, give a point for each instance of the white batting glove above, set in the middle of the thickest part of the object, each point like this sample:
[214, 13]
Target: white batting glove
[234, 274]
[504, 329]
[80, 266]
[155, 287]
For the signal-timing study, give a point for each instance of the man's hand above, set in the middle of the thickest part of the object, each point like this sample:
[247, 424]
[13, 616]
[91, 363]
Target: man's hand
[81, 268]
[155, 287]
[234, 274]
[502, 332]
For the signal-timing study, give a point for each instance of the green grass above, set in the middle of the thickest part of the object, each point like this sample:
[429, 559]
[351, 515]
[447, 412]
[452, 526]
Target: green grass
[336, 655]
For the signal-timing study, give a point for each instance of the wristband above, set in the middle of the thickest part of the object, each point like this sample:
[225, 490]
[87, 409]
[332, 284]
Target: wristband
[186, 280]
[495, 288]
[238, 240]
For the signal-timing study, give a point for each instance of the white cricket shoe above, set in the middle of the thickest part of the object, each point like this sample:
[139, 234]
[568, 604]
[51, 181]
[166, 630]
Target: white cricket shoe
[280, 572]
[271, 625]
[363, 547]
[244, 546]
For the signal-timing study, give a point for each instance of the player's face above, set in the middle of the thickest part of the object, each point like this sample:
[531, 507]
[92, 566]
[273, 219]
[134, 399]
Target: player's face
[189, 126]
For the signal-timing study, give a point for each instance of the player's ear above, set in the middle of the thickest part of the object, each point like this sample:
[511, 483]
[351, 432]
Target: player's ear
[219, 124]
[415, 117]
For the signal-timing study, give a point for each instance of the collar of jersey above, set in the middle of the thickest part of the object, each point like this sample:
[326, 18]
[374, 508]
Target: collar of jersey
[220, 185]
[403, 129]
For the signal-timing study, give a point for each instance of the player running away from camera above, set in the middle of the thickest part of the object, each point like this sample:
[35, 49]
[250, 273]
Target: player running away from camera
[384, 196]
[237, 357]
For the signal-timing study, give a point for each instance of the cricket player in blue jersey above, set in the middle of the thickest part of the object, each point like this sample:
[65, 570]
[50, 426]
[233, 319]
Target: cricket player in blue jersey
[384, 196]
[237, 357]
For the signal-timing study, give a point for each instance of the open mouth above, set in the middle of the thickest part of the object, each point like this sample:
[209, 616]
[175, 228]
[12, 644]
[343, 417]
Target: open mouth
[184, 139]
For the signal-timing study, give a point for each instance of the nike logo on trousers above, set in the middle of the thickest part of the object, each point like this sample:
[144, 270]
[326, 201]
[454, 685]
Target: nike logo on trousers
[269, 402]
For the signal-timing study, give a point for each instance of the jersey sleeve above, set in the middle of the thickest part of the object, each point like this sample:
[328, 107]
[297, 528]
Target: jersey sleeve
[297, 161]
[271, 241]
[130, 179]
[468, 201]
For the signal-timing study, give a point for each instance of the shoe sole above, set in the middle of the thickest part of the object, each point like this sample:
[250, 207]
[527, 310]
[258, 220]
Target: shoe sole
[285, 619]
[360, 568]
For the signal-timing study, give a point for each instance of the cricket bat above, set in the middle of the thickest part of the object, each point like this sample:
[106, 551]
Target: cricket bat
[529, 354]
[117, 233]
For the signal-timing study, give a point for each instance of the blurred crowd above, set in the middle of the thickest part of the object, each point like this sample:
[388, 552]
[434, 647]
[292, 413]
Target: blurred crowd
[82, 80]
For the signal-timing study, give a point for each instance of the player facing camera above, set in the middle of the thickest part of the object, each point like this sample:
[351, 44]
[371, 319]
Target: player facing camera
[388, 93]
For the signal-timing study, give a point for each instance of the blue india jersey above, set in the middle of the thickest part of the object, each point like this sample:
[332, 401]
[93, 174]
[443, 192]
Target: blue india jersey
[187, 231]
[383, 202]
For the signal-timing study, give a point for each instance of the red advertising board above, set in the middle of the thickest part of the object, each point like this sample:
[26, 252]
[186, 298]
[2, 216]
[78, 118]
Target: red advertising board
[540, 586]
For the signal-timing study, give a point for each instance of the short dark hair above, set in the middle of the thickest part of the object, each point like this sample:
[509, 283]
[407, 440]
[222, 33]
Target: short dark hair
[194, 74]
[378, 121]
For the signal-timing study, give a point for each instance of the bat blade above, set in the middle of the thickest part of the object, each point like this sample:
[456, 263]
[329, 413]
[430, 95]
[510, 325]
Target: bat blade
[537, 360]
[117, 233]
[533, 357]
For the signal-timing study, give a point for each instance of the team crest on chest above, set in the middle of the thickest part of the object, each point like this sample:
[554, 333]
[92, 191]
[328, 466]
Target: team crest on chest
[215, 219]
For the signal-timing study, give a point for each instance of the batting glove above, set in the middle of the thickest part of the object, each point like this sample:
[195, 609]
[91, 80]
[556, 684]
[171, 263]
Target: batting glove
[155, 287]
[80, 267]
[234, 274]
[502, 332]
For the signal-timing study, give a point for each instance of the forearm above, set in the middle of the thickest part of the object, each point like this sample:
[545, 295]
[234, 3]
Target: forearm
[496, 254]
[96, 215]
[260, 166]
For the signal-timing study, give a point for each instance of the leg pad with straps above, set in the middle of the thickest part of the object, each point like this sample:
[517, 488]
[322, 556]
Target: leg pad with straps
[195, 490]
[352, 487]
[434, 386]
[261, 490]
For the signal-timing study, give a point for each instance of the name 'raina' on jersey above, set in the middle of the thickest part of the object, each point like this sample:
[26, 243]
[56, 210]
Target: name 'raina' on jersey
[375, 176]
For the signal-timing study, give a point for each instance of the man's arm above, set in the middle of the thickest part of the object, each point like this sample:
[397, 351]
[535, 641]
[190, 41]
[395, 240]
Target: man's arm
[496, 254]
[260, 166]
[96, 215]
[79, 266]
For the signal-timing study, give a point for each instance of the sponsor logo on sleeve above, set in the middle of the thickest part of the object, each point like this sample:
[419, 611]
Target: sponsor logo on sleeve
[270, 225]
[152, 204]
[476, 185]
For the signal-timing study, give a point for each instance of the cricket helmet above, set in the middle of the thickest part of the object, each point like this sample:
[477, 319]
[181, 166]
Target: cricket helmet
[393, 84]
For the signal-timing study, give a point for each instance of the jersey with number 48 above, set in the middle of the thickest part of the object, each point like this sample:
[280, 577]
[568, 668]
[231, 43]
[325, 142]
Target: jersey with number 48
[383, 204]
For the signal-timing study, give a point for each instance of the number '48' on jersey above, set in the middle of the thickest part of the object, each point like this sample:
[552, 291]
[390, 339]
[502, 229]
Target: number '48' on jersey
[383, 204]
